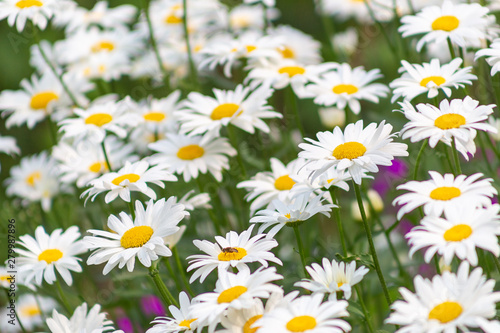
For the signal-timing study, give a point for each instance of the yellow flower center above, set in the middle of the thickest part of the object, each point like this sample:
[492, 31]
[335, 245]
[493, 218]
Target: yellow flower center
[4, 277]
[446, 312]
[445, 193]
[30, 310]
[173, 19]
[50, 255]
[438, 81]
[287, 53]
[154, 116]
[445, 23]
[98, 119]
[136, 237]
[229, 295]
[247, 328]
[349, 150]
[345, 88]
[225, 110]
[190, 152]
[284, 183]
[33, 178]
[187, 323]
[449, 121]
[301, 324]
[232, 253]
[98, 167]
[42, 99]
[340, 284]
[292, 70]
[104, 45]
[132, 177]
[457, 233]
[250, 48]
[28, 3]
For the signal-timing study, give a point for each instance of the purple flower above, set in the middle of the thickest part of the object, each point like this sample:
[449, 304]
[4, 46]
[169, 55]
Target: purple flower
[151, 305]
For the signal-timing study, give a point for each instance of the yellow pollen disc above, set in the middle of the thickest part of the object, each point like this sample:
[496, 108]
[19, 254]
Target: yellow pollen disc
[132, 177]
[247, 328]
[28, 3]
[250, 48]
[232, 253]
[187, 323]
[284, 183]
[287, 53]
[136, 237]
[445, 23]
[301, 324]
[173, 19]
[292, 70]
[190, 152]
[225, 110]
[103, 46]
[349, 150]
[4, 277]
[449, 121]
[33, 178]
[446, 312]
[438, 80]
[154, 116]
[345, 88]
[457, 233]
[287, 215]
[50, 255]
[42, 99]
[229, 295]
[445, 193]
[98, 119]
[97, 167]
[30, 310]
[340, 284]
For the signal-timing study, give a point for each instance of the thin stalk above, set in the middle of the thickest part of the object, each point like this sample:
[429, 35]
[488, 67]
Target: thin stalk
[63, 298]
[234, 143]
[458, 168]
[451, 49]
[210, 211]
[419, 157]
[301, 248]
[131, 208]
[372, 246]
[192, 67]
[483, 263]
[339, 221]
[181, 270]
[436, 264]
[15, 311]
[382, 29]
[329, 32]
[483, 151]
[497, 263]
[292, 101]
[106, 156]
[165, 294]
[450, 164]
[461, 52]
[170, 270]
[491, 144]
[365, 310]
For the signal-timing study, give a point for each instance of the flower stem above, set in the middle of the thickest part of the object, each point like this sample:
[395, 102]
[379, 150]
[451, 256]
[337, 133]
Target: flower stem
[106, 156]
[166, 296]
[370, 242]
[181, 270]
[210, 211]
[419, 157]
[339, 221]
[192, 67]
[292, 103]
[497, 263]
[458, 168]
[9, 298]
[234, 143]
[63, 298]
[452, 50]
[450, 164]
[131, 207]
[301, 248]
[365, 310]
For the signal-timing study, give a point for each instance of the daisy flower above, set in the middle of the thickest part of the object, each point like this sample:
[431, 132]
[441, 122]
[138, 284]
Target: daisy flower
[332, 278]
[242, 107]
[46, 253]
[141, 238]
[356, 150]
[445, 193]
[293, 214]
[37, 11]
[233, 251]
[493, 56]
[249, 17]
[458, 119]
[297, 45]
[29, 309]
[306, 313]
[457, 234]
[457, 22]
[132, 177]
[447, 303]
[234, 291]
[182, 321]
[82, 320]
[430, 78]
[346, 86]
[190, 155]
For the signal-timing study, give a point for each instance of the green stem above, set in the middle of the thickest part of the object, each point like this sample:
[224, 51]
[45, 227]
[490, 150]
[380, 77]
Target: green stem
[365, 310]
[63, 298]
[182, 271]
[301, 248]
[210, 211]
[192, 67]
[340, 227]
[485, 156]
[166, 261]
[458, 168]
[166, 296]
[450, 164]
[106, 156]
[382, 29]
[292, 100]
[329, 32]
[451, 49]
[419, 157]
[131, 207]
[15, 311]
[371, 244]
[491, 144]
[234, 143]
[497, 263]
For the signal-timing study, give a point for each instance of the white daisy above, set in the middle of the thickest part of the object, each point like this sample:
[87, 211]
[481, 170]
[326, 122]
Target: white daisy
[445, 193]
[37, 11]
[447, 303]
[132, 177]
[430, 78]
[358, 149]
[493, 56]
[332, 278]
[182, 321]
[141, 238]
[297, 45]
[29, 309]
[45, 252]
[233, 251]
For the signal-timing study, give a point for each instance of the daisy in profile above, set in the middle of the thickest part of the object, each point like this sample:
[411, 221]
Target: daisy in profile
[37, 11]
[357, 150]
[132, 177]
[82, 320]
[141, 238]
[457, 119]
[447, 303]
[29, 309]
[430, 78]
[302, 208]
[457, 234]
[445, 193]
[306, 314]
[333, 277]
[346, 86]
[182, 321]
[241, 107]
[191, 155]
[44, 254]
[461, 23]
[234, 291]
[233, 251]
[493, 56]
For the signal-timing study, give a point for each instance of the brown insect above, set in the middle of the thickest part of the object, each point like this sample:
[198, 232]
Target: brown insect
[229, 250]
